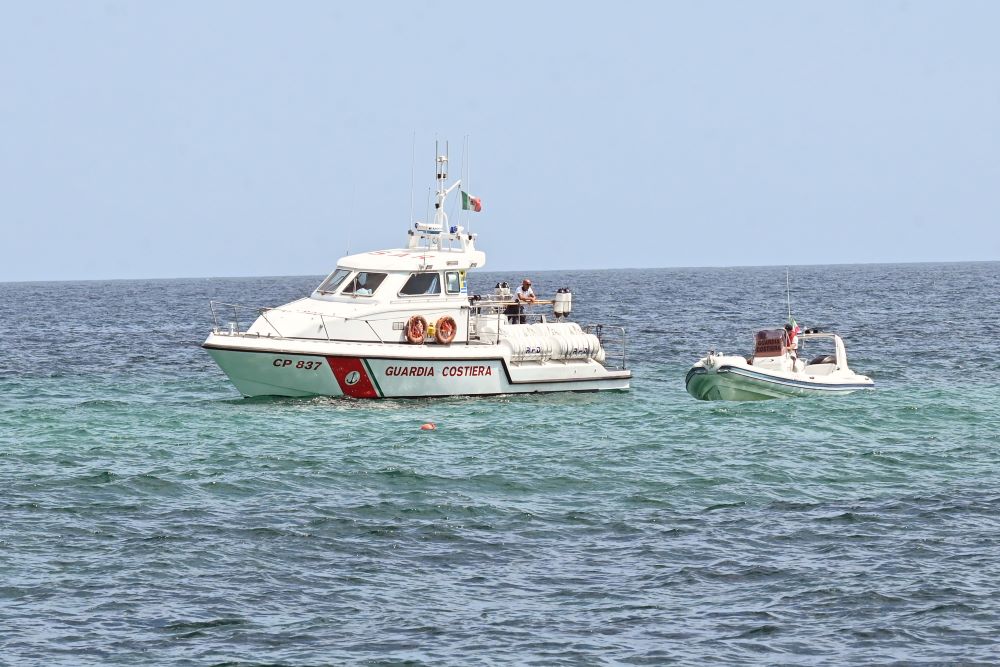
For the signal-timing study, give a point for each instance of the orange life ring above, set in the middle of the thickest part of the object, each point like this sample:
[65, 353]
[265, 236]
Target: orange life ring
[445, 330]
[416, 330]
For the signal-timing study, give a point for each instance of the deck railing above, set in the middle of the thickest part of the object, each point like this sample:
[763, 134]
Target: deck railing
[612, 339]
[235, 326]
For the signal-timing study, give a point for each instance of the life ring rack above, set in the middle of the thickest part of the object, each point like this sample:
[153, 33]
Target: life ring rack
[416, 330]
[445, 330]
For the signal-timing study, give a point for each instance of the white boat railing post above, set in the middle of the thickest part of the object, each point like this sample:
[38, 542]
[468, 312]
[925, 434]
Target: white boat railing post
[379, 338]
[215, 315]
[624, 358]
[263, 314]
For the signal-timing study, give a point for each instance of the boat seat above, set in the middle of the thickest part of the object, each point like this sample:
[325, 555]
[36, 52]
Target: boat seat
[823, 359]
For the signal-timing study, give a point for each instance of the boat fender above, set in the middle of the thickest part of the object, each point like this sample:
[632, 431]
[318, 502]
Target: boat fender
[445, 330]
[562, 305]
[416, 330]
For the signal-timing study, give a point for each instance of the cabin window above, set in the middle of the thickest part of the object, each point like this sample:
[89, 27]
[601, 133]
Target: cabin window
[422, 284]
[364, 284]
[333, 281]
[453, 282]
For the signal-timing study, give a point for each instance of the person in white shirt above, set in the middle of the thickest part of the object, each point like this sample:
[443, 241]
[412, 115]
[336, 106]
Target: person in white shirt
[524, 294]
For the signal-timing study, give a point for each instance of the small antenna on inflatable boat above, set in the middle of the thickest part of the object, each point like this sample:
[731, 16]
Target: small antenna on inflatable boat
[788, 295]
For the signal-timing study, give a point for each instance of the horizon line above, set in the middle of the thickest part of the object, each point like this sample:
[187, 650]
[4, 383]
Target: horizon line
[519, 271]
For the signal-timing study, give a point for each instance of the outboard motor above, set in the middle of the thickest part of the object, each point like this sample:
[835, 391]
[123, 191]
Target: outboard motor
[502, 290]
[562, 305]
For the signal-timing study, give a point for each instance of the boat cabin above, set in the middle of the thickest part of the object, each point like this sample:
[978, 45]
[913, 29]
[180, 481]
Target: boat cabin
[433, 266]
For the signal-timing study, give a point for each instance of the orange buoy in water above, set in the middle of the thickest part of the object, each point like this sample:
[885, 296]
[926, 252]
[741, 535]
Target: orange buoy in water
[429, 426]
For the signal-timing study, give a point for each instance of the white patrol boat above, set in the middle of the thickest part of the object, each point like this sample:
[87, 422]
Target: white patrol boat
[401, 323]
[779, 368]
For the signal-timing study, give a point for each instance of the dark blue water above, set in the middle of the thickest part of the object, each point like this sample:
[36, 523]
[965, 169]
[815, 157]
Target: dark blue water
[152, 516]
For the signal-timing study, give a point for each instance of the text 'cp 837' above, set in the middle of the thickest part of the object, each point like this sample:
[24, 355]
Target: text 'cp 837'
[291, 363]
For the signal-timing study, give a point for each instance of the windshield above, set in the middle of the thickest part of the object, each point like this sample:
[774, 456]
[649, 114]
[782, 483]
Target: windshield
[333, 281]
[818, 350]
[364, 284]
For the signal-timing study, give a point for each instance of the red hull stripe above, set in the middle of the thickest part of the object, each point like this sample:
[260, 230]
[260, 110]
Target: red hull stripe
[352, 377]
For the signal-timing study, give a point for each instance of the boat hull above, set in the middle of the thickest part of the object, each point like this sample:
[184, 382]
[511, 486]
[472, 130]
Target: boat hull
[398, 371]
[731, 383]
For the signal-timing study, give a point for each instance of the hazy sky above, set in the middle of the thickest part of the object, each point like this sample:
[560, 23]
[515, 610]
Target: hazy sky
[175, 139]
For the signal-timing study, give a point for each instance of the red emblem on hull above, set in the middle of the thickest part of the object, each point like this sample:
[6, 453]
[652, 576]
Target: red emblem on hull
[352, 377]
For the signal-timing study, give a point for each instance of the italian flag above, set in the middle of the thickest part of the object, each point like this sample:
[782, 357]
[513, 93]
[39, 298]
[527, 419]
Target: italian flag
[470, 203]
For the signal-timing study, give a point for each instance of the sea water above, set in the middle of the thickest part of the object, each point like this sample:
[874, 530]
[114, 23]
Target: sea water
[150, 515]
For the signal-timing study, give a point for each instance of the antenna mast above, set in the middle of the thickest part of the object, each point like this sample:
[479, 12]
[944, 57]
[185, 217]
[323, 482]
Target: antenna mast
[431, 232]
[467, 159]
[788, 295]
[350, 230]
[440, 217]
[413, 160]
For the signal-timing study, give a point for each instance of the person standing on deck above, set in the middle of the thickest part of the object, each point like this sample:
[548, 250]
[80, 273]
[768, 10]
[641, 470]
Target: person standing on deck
[524, 294]
[792, 331]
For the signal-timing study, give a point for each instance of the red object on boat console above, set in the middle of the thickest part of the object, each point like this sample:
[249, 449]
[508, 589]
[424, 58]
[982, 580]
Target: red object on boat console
[770, 343]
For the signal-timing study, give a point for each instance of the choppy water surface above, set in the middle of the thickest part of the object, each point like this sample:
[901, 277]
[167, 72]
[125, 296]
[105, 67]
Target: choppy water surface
[152, 516]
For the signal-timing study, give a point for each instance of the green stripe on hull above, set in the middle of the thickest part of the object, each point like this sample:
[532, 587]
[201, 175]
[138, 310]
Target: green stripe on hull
[371, 375]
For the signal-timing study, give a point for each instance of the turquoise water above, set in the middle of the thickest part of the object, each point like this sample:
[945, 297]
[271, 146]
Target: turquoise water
[152, 516]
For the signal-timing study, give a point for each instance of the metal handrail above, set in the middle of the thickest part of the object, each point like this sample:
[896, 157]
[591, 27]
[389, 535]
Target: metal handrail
[477, 307]
[236, 327]
[599, 331]
[263, 309]
[235, 322]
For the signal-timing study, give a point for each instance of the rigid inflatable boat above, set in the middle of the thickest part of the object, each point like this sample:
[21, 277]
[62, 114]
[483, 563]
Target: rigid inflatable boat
[781, 367]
